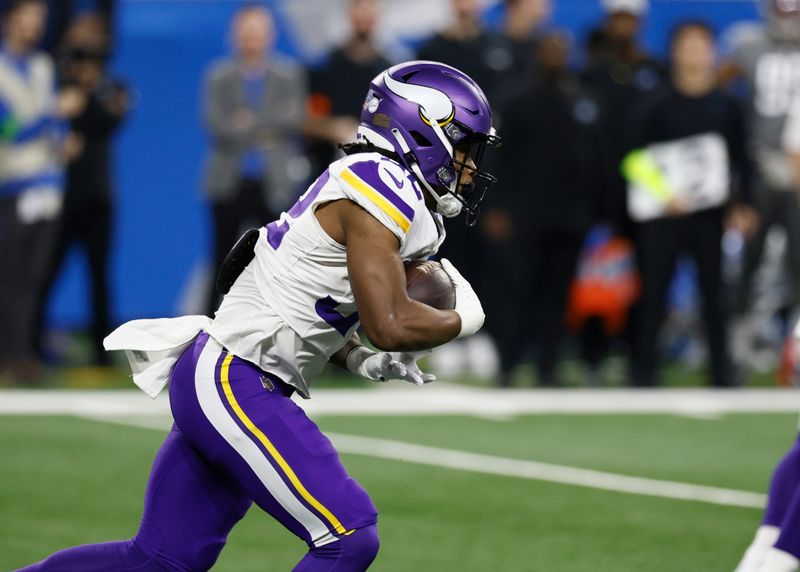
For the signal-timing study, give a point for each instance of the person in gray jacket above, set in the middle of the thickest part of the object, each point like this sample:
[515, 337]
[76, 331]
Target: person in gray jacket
[254, 107]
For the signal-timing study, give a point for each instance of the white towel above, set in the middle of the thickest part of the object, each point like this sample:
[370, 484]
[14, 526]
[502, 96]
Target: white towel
[154, 346]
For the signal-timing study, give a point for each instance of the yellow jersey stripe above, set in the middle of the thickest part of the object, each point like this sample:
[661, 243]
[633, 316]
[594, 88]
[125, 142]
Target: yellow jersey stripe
[354, 181]
[226, 386]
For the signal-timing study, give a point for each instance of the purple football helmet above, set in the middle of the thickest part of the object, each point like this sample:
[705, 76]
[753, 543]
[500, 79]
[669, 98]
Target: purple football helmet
[422, 112]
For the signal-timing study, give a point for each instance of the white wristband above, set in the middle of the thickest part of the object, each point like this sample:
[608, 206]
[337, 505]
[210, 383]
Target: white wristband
[356, 357]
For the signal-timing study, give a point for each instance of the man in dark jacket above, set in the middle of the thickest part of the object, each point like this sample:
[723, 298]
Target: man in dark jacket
[553, 173]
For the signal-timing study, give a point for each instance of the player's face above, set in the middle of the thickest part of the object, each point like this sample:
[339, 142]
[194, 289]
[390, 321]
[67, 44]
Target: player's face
[466, 167]
[253, 33]
[534, 11]
[623, 26]
[465, 8]
[693, 51]
[25, 25]
[364, 16]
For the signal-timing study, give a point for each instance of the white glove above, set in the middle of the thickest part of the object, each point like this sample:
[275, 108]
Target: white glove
[467, 304]
[383, 366]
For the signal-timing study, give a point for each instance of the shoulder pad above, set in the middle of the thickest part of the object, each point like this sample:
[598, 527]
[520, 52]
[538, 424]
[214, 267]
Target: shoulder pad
[386, 184]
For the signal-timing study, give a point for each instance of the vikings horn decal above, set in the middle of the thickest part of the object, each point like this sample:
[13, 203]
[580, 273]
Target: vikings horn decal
[433, 104]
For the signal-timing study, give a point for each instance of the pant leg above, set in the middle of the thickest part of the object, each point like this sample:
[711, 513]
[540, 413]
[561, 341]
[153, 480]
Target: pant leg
[8, 240]
[26, 262]
[66, 236]
[520, 306]
[790, 220]
[120, 556]
[97, 241]
[785, 481]
[560, 257]
[705, 244]
[226, 224]
[244, 422]
[657, 250]
[768, 214]
[190, 507]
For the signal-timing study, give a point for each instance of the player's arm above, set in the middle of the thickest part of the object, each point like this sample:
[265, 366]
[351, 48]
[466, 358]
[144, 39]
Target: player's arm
[391, 320]
[340, 357]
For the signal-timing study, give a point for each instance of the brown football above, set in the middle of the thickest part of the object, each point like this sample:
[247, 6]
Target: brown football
[427, 282]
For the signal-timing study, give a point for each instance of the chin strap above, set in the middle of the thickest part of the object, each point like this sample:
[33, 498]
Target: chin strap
[447, 205]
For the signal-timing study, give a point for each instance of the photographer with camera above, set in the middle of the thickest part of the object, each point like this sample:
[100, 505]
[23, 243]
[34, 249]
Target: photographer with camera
[87, 216]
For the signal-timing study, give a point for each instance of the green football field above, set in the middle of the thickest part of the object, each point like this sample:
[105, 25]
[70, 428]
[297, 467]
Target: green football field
[67, 480]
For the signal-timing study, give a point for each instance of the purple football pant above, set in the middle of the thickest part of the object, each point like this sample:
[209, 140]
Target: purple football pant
[783, 503]
[238, 438]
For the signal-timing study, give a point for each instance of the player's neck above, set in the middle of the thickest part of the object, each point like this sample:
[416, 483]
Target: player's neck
[518, 29]
[360, 48]
[694, 83]
[464, 28]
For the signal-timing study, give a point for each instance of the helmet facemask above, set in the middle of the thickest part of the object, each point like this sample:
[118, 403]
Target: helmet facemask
[468, 150]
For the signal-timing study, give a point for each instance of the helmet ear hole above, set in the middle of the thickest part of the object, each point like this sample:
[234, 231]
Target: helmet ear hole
[420, 139]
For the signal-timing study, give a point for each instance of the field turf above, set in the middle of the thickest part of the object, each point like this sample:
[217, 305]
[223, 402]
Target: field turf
[66, 481]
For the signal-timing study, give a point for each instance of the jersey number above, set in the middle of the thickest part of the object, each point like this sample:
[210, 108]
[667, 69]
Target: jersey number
[277, 229]
[326, 309]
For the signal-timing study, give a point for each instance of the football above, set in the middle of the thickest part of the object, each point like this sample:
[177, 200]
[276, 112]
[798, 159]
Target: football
[427, 282]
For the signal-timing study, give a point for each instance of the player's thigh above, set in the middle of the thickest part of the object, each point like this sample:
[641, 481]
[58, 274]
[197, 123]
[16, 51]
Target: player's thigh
[242, 421]
[190, 507]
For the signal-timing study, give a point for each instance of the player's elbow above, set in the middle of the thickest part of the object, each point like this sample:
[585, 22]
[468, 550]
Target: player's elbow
[385, 334]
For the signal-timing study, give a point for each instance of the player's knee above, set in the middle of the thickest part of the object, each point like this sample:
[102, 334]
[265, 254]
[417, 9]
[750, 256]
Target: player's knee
[362, 546]
[352, 552]
[365, 543]
[193, 554]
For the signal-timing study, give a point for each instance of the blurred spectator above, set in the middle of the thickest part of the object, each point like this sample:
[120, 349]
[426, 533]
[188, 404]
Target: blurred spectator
[254, 108]
[32, 146]
[767, 56]
[621, 71]
[552, 171]
[87, 216]
[62, 13]
[337, 87]
[522, 23]
[688, 164]
[484, 56]
[466, 45]
[790, 139]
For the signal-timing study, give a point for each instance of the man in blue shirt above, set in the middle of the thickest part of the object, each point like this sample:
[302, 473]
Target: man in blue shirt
[254, 107]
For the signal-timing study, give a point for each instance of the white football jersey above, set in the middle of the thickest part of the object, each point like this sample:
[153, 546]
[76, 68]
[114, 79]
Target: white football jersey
[293, 307]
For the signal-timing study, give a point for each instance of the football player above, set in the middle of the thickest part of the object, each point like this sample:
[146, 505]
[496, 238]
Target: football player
[776, 546]
[299, 288]
[767, 57]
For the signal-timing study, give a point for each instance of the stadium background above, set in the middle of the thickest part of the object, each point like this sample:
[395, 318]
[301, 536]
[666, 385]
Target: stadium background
[455, 518]
[161, 244]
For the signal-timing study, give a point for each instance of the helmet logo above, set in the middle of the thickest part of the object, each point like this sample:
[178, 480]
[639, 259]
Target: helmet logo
[434, 105]
[372, 103]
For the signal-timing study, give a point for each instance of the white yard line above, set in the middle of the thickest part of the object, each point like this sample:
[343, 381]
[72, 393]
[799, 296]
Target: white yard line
[437, 399]
[503, 466]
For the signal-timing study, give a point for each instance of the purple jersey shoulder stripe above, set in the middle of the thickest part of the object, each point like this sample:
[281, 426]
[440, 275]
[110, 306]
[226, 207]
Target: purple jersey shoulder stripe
[367, 171]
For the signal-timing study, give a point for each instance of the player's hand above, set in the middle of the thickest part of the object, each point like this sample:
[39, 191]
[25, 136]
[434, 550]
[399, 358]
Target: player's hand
[468, 305]
[385, 366]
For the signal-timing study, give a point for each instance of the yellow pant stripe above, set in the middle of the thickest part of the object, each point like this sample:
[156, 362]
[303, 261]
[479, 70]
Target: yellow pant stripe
[226, 386]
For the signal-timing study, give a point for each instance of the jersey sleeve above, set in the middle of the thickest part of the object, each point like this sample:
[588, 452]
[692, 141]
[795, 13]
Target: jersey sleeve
[383, 190]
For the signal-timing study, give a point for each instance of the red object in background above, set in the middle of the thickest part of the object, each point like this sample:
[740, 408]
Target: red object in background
[605, 286]
[319, 105]
[788, 368]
